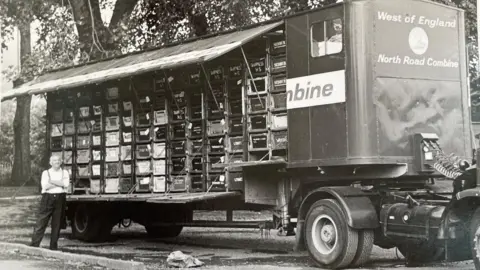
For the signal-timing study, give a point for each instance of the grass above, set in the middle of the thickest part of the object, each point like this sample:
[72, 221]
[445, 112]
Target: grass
[6, 192]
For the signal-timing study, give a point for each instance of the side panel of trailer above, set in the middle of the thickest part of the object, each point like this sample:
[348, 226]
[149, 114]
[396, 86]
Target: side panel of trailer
[359, 97]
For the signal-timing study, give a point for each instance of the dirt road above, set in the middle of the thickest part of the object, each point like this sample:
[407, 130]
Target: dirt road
[217, 248]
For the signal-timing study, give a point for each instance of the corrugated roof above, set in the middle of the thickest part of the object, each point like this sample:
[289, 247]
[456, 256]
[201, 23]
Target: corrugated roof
[196, 51]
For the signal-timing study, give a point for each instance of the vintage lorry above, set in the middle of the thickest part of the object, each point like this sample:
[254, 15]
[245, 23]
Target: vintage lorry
[342, 120]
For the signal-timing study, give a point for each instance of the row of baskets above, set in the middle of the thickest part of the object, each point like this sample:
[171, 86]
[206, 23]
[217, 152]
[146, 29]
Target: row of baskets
[174, 183]
[156, 150]
[157, 167]
[145, 134]
[275, 101]
[179, 165]
[112, 154]
[266, 121]
[125, 185]
[277, 64]
[273, 140]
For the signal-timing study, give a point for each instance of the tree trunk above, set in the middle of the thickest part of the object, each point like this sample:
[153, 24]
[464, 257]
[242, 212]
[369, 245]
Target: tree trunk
[199, 23]
[96, 40]
[21, 130]
[21, 122]
[121, 13]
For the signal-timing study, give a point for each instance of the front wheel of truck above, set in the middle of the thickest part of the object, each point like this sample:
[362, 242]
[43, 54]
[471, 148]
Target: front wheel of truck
[329, 239]
[475, 238]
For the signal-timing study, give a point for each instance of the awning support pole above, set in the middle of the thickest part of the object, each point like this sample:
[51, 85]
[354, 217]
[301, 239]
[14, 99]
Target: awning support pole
[132, 87]
[170, 88]
[210, 86]
[251, 76]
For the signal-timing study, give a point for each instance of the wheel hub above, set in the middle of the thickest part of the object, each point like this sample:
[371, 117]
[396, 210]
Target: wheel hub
[324, 234]
[328, 233]
[81, 220]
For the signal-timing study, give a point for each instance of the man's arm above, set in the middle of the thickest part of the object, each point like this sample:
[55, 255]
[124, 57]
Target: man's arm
[46, 184]
[59, 182]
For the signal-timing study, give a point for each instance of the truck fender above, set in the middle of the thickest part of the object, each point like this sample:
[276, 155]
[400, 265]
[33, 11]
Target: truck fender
[468, 193]
[358, 208]
[461, 207]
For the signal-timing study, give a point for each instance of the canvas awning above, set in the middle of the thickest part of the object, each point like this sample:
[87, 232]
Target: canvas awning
[196, 51]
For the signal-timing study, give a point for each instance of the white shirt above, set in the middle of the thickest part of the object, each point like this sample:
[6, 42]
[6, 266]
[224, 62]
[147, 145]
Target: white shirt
[60, 175]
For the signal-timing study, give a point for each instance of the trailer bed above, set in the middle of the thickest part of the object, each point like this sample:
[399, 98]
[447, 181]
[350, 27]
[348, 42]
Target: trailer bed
[169, 198]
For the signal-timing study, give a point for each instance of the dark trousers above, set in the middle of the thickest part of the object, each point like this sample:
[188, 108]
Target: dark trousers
[51, 206]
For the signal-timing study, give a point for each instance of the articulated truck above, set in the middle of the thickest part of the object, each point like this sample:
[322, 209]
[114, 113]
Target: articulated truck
[342, 120]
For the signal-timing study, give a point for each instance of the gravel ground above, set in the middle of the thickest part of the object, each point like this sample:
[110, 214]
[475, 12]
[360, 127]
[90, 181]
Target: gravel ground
[217, 248]
[13, 261]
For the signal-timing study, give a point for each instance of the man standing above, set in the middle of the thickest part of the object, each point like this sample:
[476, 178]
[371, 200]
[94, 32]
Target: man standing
[55, 182]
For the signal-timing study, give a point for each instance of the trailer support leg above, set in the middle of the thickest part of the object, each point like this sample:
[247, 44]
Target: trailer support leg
[299, 237]
[229, 215]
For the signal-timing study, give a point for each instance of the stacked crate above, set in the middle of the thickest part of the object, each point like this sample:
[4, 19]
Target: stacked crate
[216, 128]
[113, 132]
[61, 143]
[266, 102]
[195, 132]
[68, 131]
[278, 96]
[257, 109]
[160, 149]
[177, 124]
[235, 140]
[144, 134]
[82, 160]
[127, 143]
[97, 154]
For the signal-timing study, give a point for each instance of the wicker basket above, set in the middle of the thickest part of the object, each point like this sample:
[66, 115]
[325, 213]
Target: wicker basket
[112, 154]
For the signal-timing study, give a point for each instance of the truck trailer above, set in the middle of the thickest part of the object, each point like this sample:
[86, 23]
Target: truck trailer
[342, 120]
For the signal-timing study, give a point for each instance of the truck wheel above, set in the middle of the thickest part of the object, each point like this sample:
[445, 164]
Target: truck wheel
[475, 238]
[163, 231]
[329, 239]
[87, 226]
[364, 249]
[417, 254]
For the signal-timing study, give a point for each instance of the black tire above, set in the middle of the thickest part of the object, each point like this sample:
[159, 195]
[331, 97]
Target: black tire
[475, 238]
[365, 245]
[90, 227]
[327, 217]
[163, 231]
[417, 254]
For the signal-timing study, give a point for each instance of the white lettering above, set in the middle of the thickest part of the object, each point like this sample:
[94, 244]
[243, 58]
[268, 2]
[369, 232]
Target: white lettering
[382, 58]
[420, 20]
[432, 23]
[413, 61]
[384, 16]
[315, 90]
[442, 63]
[409, 61]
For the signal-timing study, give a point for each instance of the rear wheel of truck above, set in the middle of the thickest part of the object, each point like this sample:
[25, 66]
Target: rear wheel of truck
[365, 246]
[417, 254]
[163, 231]
[89, 226]
[329, 239]
[475, 238]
